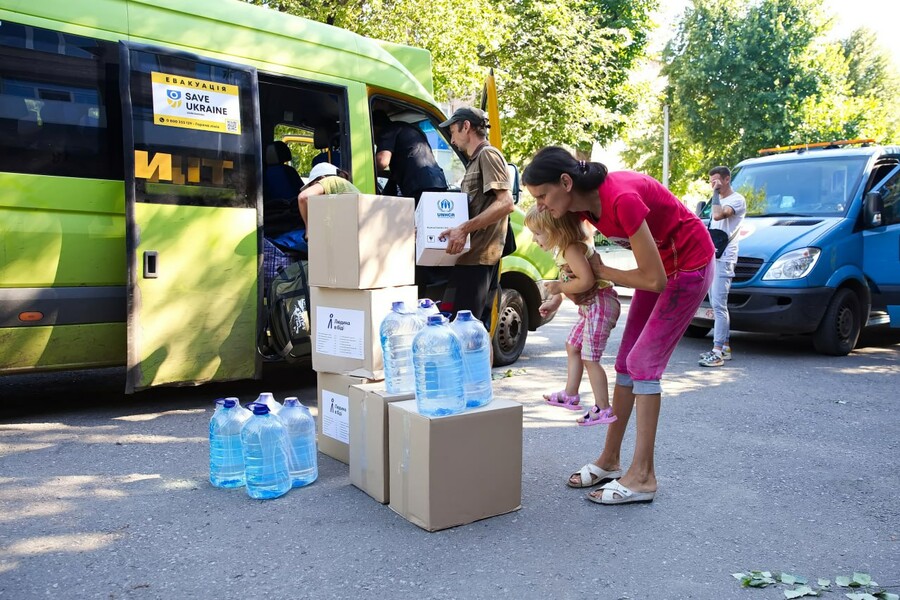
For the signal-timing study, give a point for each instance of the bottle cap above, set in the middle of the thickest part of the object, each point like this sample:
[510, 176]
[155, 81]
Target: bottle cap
[435, 319]
[292, 401]
[228, 402]
[399, 306]
[220, 401]
[259, 408]
[464, 315]
[265, 396]
[425, 303]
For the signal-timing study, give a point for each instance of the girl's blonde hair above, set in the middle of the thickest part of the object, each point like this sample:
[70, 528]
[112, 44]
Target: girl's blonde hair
[560, 233]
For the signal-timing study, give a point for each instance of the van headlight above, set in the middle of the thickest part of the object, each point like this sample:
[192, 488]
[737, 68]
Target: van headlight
[793, 265]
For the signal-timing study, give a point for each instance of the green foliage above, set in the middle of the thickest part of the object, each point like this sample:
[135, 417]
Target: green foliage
[562, 67]
[862, 581]
[745, 76]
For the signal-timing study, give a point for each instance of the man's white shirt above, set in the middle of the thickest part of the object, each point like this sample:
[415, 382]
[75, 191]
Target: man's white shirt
[731, 224]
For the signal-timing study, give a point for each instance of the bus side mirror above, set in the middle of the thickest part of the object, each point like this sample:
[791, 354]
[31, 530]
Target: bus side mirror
[872, 208]
[513, 172]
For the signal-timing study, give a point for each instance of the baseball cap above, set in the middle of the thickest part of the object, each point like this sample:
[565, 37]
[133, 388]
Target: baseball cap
[473, 115]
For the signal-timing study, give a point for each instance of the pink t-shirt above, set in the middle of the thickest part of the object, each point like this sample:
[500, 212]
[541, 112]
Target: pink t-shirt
[627, 199]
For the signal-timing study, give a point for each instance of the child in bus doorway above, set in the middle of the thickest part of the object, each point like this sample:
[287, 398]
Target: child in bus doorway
[570, 243]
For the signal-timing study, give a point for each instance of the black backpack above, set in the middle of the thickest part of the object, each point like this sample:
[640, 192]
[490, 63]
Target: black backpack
[287, 331]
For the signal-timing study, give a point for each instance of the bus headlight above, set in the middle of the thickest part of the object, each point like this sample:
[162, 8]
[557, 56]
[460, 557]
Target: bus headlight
[793, 265]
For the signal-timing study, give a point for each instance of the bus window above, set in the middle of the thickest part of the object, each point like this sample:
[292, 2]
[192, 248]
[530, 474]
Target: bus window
[194, 132]
[59, 104]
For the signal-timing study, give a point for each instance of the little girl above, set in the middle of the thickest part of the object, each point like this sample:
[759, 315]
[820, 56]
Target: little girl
[567, 238]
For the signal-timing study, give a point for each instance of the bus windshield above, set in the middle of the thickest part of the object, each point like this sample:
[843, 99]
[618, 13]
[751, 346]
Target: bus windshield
[814, 187]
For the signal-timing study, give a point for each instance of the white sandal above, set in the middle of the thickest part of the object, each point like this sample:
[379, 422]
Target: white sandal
[588, 472]
[616, 493]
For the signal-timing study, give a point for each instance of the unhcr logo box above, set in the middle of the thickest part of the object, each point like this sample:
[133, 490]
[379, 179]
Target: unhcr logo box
[436, 213]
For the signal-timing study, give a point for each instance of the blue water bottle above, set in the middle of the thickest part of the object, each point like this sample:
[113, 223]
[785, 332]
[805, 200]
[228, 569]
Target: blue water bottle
[398, 329]
[437, 359]
[245, 413]
[476, 353]
[265, 443]
[301, 431]
[269, 400]
[425, 308]
[226, 459]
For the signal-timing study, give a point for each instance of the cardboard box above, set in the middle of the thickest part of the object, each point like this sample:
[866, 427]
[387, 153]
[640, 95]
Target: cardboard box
[345, 328]
[369, 439]
[360, 241]
[437, 212]
[333, 422]
[449, 471]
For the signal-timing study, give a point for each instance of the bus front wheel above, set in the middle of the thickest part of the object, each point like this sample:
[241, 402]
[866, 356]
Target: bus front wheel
[512, 328]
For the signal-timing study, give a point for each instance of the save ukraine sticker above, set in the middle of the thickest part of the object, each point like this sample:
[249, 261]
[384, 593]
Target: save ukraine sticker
[195, 104]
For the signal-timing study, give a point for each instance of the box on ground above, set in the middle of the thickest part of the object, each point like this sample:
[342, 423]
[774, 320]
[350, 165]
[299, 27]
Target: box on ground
[437, 212]
[360, 241]
[369, 439]
[345, 328]
[454, 470]
[333, 424]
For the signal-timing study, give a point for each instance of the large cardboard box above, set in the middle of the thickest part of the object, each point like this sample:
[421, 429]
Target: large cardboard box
[359, 241]
[369, 439]
[449, 471]
[333, 423]
[437, 212]
[345, 328]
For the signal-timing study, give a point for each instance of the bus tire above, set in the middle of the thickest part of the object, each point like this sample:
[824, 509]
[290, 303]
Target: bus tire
[512, 328]
[838, 332]
[697, 331]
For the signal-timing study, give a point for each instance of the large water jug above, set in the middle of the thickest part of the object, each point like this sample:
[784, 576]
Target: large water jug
[265, 443]
[425, 308]
[476, 354]
[437, 358]
[245, 413]
[269, 400]
[398, 329]
[226, 459]
[303, 461]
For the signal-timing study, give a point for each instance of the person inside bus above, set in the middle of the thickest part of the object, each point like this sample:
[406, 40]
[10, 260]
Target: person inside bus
[404, 156]
[282, 222]
[324, 178]
[325, 140]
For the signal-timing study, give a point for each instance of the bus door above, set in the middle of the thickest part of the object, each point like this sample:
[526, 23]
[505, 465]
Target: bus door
[192, 181]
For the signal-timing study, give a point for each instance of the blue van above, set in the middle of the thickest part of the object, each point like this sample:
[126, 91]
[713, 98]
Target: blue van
[819, 249]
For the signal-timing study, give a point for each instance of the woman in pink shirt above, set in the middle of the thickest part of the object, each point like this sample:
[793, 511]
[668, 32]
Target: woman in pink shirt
[674, 256]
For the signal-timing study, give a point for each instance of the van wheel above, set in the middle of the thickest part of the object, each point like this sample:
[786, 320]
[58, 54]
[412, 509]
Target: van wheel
[697, 331]
[512, 328]
[839, 330]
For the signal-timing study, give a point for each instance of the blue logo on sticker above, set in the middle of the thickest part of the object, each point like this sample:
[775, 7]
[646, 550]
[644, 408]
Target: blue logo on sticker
[445, 205]
[173, 94]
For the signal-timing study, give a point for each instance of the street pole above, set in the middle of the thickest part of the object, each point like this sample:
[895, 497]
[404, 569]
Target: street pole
[665, 173]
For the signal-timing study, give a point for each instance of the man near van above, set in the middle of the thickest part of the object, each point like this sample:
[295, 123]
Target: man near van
[728, 210]
[490, 202]
[403, 151]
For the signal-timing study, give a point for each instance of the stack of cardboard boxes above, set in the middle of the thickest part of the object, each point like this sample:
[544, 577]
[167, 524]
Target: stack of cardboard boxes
[361, 260]
[435, 472]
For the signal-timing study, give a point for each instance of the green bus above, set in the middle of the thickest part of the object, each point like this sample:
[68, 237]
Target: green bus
[132, 136]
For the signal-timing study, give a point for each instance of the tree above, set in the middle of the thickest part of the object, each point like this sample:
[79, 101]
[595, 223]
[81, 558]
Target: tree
[742, 77]
[562, 67]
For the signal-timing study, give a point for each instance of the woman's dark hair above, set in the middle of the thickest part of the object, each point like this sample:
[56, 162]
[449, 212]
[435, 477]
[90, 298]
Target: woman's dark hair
[551, 162]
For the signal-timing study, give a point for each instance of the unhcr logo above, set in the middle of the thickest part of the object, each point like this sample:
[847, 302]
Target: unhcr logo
[445, 208]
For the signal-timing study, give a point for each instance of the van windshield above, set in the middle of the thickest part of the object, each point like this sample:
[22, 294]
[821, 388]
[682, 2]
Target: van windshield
[813, 187]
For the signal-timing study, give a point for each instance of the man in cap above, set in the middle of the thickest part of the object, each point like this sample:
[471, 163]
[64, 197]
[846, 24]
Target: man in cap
[487, 185]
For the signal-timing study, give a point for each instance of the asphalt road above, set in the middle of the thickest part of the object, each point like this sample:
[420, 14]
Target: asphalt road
[782, 460]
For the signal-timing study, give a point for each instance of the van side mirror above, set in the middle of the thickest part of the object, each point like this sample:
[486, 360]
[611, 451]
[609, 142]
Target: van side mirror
[872, 208]
[699, 209]
[513, 172]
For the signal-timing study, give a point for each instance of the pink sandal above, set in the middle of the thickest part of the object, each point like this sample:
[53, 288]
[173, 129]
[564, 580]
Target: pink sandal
[598, 416]
[563, 400]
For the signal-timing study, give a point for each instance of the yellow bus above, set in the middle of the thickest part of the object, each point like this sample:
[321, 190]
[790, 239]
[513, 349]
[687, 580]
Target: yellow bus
[132, 147]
